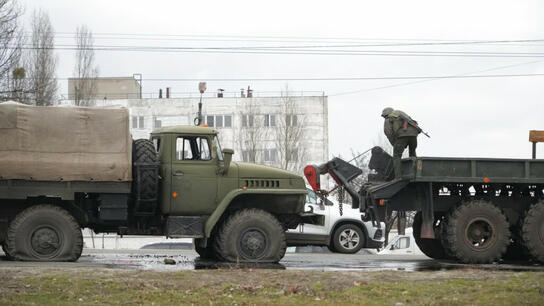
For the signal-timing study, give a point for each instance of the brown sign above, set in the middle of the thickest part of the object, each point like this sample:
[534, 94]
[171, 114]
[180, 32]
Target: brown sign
[536, 136]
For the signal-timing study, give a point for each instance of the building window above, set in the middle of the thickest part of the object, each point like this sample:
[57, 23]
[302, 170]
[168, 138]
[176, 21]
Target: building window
[138, 122]
[291, 120]
[228, 121]
[269, 120]
[247, 120]
[245, 156]
[293, 154]
[270, 155]
[157, 123]
[219, 121]
[210, 121]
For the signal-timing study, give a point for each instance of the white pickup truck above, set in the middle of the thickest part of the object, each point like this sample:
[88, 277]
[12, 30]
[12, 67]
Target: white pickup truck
[402, 245]
[345, 233]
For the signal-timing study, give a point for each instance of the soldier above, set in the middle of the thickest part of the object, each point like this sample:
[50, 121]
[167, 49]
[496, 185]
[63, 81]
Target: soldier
[402, 131]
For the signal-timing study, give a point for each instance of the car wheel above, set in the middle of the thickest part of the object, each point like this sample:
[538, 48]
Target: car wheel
[348, 239]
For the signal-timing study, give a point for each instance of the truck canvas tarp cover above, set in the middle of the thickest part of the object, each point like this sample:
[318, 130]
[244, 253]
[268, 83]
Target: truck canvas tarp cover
[64, 143]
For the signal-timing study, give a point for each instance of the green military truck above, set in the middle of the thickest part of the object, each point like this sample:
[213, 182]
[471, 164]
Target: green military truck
[63, 169]
[472, 210]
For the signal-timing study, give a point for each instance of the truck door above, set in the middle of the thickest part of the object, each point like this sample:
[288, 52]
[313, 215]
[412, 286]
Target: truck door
[194, 178]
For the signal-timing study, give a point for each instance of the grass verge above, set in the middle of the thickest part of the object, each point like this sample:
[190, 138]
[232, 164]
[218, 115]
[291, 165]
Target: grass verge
[261, 287]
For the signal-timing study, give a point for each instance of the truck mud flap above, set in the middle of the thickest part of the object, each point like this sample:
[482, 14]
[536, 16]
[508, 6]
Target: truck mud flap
[185, 227]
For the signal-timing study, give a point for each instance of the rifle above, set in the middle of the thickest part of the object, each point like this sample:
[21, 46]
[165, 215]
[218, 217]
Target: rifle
[410, 121]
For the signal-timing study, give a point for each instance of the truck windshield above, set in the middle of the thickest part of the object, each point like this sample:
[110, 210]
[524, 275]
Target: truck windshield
[218, 146]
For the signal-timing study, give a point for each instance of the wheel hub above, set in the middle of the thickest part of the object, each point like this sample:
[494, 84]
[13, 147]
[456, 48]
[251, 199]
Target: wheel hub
[45, 241]
[479, 234]
[349, 239]
[253, 243]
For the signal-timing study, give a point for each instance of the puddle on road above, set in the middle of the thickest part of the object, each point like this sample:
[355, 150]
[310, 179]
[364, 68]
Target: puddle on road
[325, 263]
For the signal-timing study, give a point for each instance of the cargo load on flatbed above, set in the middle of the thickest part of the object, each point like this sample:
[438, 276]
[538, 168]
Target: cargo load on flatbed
[64, 143]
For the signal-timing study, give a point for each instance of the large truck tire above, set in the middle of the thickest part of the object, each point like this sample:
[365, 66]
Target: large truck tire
[143, 152]
[348, 239]
[477, 232]
[533, 231]
[250, 235]
[431, 247]
[44, 233]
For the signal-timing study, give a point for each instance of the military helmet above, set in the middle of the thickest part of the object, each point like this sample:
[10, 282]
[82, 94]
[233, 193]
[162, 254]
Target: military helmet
[387, 111]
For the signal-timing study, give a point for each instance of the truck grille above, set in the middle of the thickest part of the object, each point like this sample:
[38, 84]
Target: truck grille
[262, 183]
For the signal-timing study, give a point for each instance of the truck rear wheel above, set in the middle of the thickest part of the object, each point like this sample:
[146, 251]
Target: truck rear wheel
[431, 247]
[44, 233]
[477, 232]
[250, 235]
[143, 152]
[533, 231]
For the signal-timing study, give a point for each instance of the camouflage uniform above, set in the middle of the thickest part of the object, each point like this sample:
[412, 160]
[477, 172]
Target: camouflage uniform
[400, 134]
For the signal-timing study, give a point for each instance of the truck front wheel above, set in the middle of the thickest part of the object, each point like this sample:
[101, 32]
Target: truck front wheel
[533, 231]
[477, 232]
[250, 235]
[44, 233]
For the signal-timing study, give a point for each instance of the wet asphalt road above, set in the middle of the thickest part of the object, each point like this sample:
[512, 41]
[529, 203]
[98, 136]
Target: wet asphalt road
[189, 260]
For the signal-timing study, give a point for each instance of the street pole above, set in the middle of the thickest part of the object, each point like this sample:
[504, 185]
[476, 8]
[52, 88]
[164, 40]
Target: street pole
[202, 89]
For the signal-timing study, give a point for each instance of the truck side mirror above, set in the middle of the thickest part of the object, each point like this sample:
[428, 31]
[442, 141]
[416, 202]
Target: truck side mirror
[227, 158]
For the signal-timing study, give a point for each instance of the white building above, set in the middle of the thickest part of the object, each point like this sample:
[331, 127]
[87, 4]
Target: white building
[246, 125]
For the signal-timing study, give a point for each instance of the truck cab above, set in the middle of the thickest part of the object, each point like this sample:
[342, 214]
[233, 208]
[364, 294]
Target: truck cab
[201, 190]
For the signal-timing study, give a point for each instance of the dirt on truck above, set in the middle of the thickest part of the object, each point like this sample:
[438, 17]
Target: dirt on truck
[66, 168]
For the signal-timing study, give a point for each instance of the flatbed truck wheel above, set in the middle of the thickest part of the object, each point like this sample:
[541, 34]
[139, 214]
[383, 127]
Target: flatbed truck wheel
[250, 235]
[44, 233]
[477, 232]
[533, 231]
[431, 247]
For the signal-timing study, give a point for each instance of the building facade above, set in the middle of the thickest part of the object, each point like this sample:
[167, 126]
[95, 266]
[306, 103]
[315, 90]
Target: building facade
[109, 88]
[287, 132]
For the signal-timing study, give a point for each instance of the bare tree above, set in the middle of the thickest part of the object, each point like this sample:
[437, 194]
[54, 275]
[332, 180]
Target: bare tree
[290, 134]
[41, 60]
[85, 70]
[11, 37]
[251, 131]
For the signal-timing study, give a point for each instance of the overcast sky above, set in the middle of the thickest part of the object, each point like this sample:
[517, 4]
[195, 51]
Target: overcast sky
[476, 117]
